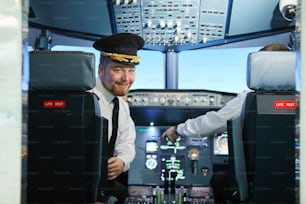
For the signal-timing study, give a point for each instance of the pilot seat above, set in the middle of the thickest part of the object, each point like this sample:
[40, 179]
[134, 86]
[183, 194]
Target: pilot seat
[262, 139]
[67, 137]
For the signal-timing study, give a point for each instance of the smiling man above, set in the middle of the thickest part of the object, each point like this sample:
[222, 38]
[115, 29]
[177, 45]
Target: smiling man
[116, 76]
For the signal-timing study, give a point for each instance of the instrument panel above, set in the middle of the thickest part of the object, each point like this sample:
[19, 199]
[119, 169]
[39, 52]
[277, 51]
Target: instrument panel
[172, 22]
[159, 161]
[163, 171]
[178, 98]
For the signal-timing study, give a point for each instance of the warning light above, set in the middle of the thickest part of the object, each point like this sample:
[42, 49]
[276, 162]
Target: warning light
[285, 104]
[54, 103]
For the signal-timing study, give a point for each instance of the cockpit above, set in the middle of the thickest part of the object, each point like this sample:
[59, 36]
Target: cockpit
[196, 58]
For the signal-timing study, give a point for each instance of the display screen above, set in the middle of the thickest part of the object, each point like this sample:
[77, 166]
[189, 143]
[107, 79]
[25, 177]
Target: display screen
[172, 159]
[221, 144]
[172, 167]
[151, 146]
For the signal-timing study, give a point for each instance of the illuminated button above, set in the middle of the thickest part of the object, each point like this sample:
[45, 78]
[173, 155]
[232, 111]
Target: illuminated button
[162, 24]
[189, 35]
[204, 39]
[151, 163]
[170, 24]
[149, 23]
[193, 153]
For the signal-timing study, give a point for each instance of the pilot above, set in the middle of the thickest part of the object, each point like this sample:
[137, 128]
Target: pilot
[116, 74]
[215, 122]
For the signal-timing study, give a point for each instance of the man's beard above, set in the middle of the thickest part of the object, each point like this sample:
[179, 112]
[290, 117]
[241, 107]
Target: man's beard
[121, 92]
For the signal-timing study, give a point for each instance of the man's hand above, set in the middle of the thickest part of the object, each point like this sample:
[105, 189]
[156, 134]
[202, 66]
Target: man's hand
[115, 167]
[171, 134]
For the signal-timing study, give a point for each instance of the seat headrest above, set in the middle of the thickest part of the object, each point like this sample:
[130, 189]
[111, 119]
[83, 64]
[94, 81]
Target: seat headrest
[271, 70]
[62, 70]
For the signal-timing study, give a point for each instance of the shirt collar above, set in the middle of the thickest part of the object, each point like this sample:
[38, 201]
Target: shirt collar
[107, 95]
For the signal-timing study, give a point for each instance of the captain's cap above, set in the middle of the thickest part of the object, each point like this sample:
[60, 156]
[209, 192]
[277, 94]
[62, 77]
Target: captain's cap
[121, 47]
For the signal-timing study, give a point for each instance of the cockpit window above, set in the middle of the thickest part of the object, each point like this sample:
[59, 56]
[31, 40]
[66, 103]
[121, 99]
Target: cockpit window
[221, 69]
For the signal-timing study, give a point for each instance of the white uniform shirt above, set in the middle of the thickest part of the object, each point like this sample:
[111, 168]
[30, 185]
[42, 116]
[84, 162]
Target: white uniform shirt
[213, 121]
[125, 143]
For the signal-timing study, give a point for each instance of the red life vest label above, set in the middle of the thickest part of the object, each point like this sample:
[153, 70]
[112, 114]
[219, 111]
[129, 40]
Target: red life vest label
[285, 104]
[54, 104]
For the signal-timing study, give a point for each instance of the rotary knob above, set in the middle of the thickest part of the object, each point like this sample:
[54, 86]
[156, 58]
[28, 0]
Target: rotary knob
[151, 163]
[186, 100]
[162, 100]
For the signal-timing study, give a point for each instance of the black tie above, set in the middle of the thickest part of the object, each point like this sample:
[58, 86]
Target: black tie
[115, 127]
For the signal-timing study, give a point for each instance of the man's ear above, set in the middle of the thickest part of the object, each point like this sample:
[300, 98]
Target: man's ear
[100, 70]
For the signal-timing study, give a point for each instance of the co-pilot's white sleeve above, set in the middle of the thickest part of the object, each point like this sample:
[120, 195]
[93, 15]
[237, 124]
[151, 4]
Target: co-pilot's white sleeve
[213, 121]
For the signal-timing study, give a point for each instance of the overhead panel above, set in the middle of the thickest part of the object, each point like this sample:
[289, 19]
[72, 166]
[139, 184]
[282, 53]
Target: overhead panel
[172, 22]
[212, 24]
